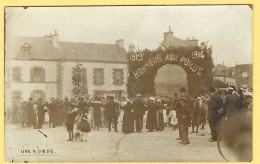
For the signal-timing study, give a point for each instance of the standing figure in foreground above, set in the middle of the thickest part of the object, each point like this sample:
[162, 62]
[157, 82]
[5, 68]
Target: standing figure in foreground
[214, 114]
[111, 112]
[40, 113]
[151, 122]
[128, 118]
[52, 113]
[184, 120]
[195, 115]
[70, 121]
[96, 112]
[30, 112]
[84, 126]
[159, 115]
[138, 111]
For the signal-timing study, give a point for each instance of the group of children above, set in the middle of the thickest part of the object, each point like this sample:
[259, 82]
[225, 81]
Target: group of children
[83, 126]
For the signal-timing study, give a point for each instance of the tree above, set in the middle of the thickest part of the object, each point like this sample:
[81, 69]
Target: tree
[78, 81]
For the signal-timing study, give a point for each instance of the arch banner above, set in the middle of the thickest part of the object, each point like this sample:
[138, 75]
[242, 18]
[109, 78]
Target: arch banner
[143, 66]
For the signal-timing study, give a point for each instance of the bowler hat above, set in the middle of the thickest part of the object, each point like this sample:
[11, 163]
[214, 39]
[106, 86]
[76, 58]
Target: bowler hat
[40, 99]
[230, 89]
[182, 89]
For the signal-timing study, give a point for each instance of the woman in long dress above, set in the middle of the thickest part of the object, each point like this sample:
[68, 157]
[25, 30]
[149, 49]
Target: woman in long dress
[128, 118]
[151, 122]
[159, 115]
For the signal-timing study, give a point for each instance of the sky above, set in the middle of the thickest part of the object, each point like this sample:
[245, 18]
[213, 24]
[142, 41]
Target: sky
[227, 28]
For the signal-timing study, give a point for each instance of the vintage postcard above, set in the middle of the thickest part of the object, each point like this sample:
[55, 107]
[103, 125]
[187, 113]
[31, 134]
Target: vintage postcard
[128, 83]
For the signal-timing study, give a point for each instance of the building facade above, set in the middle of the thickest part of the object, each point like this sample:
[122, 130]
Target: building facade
[244, 75]
[42, 67]
[224, 74]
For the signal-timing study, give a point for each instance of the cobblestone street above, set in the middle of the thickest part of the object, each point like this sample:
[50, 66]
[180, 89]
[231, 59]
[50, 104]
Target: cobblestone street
[103, 146]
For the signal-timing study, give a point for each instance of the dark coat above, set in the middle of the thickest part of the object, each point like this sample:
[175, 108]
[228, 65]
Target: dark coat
[111, 109]
[96, 105]
[71, 119]
[138, 107]
[151, 122]
[128, 119]
[83, 107]
[231, 103]
[40, 109]
[215, 104]
[184, 114]
[159, 116]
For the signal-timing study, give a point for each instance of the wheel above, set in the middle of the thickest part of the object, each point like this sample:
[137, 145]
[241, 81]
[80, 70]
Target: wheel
[237, 151]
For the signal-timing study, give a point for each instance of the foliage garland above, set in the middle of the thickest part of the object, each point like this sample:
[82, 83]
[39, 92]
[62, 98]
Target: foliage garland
[197, 84]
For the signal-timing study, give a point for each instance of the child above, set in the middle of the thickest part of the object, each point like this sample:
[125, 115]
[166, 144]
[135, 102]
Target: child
[70, 121]
[84, 126]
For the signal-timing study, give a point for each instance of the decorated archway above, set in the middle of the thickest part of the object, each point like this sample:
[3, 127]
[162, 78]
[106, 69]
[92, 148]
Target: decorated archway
[169, 79]
[143, 66]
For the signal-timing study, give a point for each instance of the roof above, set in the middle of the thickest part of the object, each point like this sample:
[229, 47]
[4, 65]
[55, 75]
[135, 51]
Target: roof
[172, 41]
[218, 73]
[42, 48]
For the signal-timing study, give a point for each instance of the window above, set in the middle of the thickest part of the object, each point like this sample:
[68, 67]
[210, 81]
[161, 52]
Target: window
[36, 94]
[118, 95]
[244, 74]
[16, 95]
[98, 76]
[25, 50]
[118, 76]
[37, 74]
[17, 74]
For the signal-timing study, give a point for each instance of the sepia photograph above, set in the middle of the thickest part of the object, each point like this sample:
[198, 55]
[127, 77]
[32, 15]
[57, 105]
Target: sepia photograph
[128, 83]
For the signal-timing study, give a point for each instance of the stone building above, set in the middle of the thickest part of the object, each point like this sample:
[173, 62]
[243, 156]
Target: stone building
[43, 67]
[224, 74]
[244, 75]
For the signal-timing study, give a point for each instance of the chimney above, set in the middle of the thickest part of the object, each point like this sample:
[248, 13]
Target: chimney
[168, 37]
[120, 43]
[53, 38]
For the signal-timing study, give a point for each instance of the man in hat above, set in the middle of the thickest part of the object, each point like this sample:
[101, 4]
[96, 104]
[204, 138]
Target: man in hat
[111, 109]
[40, 113]
[52, 113]
[183, 93]
[30, 112]
[65, 108]
[184, 120]
[214, 114]
[82, 106]
[138, 111]
[231, 103]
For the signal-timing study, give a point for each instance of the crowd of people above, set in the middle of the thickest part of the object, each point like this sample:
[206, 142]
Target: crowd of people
[179, 112]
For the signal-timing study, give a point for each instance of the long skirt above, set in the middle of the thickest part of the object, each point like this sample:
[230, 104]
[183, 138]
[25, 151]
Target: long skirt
[128, 123]
[151, 122]
[159, 120]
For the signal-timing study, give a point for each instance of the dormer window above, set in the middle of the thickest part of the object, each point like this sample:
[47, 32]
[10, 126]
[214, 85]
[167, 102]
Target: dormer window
[25, 50]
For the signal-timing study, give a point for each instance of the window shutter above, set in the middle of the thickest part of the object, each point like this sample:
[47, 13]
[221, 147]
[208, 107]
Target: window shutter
[20, 74]
[32, 75]
[43, 75]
